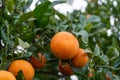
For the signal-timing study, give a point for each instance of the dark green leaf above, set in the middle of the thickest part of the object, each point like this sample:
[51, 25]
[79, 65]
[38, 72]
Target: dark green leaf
[25, 17]
[113, 53]
[42, 13]
[117, 63]
[20, 76]
[115, 43]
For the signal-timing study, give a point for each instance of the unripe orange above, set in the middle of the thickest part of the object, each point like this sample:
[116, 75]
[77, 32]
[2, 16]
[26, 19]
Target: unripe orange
[38, 63]
[64, 45]
[81, 59]
[65, 68]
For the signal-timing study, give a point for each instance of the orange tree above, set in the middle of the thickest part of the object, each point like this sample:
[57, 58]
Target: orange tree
[26, 33]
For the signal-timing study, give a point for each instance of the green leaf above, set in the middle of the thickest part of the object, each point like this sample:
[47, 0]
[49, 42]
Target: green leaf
[27, 4]
[88, 27]
[29, 37]
[104, 60]
[113, 53]
[83, 21]
[84, 35]
[4, 36]
[20, 75]
[96, 51]
[115, 43]
[93, 18]
[42, 13]
[25, 17]
[117, 63]
[27, 54]
[10, 6]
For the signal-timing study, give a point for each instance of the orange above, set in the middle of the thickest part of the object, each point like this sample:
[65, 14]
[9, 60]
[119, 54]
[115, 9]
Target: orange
[24, 66]
[5, 75]
[81, 59]
[65, 68]
[64, 45]
[38, 63]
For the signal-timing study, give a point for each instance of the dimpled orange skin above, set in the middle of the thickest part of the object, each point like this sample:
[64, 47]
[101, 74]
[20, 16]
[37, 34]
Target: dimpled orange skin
[81, 59]
[5, 75]
[64, 45]
[23, 65]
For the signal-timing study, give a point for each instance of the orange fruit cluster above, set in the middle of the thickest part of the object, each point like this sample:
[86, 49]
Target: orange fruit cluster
[27, 68]
[65, 46]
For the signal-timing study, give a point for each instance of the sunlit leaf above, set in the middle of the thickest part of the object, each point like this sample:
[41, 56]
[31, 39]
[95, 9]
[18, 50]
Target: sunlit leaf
[22, 43]
[10, 6]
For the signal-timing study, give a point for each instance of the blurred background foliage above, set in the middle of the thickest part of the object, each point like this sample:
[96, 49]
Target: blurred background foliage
[24, 33]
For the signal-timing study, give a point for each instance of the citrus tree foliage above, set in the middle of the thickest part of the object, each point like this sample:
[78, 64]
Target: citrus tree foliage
[33, 30]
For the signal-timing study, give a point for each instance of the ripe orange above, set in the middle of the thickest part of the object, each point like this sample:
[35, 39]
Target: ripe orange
[5, 75]
[24, 66]
[64, 45]
[38, 63]
[65, 68]
[81, 59]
